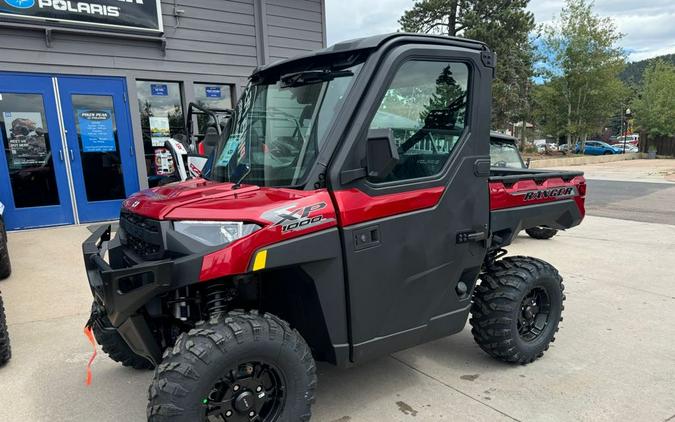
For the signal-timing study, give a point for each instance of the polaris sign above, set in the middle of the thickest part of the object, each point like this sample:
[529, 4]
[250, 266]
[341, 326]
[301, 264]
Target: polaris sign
[136, 15]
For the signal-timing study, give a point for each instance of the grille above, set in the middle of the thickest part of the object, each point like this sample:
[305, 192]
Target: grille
[142, 235]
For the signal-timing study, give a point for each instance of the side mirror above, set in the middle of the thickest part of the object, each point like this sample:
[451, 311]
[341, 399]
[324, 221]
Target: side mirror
[381, 153]
[239, 174]
[527, 163]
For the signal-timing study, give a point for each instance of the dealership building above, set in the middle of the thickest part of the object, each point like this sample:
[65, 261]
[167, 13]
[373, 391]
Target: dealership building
[91, 89]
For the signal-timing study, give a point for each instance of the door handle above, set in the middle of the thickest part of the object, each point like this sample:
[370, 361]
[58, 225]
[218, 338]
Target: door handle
[367, 237]
[71, 154]
[61, 154]
[470, 236]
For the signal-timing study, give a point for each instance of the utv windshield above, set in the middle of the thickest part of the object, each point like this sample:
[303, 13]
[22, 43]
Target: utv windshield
[279, 127]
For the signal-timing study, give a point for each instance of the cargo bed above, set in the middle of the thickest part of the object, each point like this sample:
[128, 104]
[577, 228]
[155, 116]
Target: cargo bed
[525, 198]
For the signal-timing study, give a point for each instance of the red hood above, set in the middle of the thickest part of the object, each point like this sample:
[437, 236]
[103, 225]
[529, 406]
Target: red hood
[199, 199]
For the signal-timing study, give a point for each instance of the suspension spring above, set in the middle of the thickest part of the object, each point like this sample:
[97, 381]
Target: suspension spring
[218, 296]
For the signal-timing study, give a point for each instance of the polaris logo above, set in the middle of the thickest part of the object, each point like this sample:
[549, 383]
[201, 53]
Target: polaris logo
[81, 7]
[21, 4]
[556, 193]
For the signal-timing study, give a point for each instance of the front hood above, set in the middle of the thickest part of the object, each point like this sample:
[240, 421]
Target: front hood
[200, 199]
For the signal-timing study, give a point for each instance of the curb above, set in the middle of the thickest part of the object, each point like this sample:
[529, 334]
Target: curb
[580, 161]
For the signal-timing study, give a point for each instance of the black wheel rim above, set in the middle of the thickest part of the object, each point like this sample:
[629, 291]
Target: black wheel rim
[251, 392]
[534, 314]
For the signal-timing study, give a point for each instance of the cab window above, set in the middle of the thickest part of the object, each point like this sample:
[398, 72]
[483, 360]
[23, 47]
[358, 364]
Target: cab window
[425, 107]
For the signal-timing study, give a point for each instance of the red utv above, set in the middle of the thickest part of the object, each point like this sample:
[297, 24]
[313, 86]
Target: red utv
[350, 212]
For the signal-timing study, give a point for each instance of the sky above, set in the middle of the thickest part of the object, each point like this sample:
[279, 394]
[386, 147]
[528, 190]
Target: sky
[648, 25]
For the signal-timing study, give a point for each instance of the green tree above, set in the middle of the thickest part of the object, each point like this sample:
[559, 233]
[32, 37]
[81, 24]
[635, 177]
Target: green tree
[655, 107]
[504, 25]
[583, 62]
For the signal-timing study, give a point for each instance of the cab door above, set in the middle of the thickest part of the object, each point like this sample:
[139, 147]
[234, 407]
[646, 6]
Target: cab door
[414, 242]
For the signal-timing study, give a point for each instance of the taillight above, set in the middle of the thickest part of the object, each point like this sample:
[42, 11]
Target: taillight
[582, 189]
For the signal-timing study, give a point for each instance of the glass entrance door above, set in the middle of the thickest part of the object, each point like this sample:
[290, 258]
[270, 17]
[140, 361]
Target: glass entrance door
[33, 178]
[100, 145]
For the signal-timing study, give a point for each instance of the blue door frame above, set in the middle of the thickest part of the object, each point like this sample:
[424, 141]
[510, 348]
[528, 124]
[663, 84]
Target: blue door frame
[17, 217]
[99, 210]
[66, 154]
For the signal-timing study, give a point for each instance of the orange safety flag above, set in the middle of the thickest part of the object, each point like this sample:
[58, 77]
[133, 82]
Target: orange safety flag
[90, 335]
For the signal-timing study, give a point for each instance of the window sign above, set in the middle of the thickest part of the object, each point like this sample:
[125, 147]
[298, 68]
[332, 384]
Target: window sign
[159, 130]
[212, 92]
[26, 138]
[96, 130]
[159, 90]
[135, 15]
[230, 147]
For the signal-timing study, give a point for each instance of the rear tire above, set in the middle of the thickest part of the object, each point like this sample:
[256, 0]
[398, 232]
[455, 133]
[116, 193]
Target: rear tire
[541, 232]
[516, 309]
[235, 363]
[5, 349]
[5, 265]
[115, 347]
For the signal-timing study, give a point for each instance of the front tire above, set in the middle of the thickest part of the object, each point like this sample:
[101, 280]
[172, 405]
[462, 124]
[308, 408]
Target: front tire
[236, 367]
[5, 265]
[541, 232]
[516, 309]
[5, 349]
[115, 347]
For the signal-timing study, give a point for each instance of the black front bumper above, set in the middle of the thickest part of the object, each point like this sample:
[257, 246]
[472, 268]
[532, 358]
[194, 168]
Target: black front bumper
[122, 291]
[123, 286]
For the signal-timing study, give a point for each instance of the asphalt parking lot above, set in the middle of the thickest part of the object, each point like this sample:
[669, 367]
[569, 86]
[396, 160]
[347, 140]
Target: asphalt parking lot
[613, 359]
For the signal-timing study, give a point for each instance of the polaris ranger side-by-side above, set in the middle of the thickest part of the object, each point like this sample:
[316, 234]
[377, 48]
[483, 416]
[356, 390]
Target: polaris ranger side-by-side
[348, 213]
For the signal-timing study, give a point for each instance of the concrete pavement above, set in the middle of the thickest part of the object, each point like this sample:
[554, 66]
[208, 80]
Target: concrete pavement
[646, 171]
[614, 358]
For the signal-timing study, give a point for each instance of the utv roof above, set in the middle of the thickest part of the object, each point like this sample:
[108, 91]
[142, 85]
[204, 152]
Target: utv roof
[374, 42]
[503, 136]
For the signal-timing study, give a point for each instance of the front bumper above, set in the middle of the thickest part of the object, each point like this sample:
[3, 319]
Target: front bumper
[123, 286]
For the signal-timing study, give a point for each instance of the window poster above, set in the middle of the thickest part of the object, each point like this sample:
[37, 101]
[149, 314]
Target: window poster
[159, 130]
[96, 130]
[26, 138]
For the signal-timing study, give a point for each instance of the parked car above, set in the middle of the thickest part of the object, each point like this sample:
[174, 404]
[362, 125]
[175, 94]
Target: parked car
[566, 147]
[626, 147]
[598, 148]
[631, 139]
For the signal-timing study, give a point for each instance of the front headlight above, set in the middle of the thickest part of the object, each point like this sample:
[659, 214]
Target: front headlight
[215, 233]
